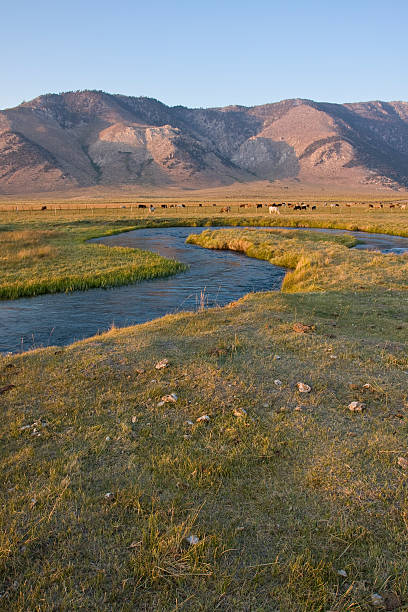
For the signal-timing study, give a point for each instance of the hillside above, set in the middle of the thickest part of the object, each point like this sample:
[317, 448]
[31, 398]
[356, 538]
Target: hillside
[90, 138]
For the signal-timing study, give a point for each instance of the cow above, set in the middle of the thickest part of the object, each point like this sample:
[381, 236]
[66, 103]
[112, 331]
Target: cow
[142, 206]
[274, 209]
[371, 206]
[259, 205]
[163, 205]
[314, 207]
[226, 209]
[43, 208]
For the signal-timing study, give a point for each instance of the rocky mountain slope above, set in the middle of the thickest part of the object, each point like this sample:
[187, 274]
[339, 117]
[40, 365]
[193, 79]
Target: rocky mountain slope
[81, 139]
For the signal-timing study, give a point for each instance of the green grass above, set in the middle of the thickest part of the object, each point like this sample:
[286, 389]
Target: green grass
[58, 258]
[280, 499]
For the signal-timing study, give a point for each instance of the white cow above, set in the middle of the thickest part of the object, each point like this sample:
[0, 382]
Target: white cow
[274, 209]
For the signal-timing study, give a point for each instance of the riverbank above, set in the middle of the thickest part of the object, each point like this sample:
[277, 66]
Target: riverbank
[47, 251]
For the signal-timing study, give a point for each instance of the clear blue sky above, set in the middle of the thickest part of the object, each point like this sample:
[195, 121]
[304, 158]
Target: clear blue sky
[208, 53]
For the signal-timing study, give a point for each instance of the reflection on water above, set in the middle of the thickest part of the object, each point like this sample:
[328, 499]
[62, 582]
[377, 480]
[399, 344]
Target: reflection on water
[214, 278]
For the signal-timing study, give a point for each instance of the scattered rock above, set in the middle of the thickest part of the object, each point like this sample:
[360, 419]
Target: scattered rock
[302, 328]
[239, 412]
[356, 406]
[107, 438]
[367, 386]
[6, 388]
[353, 386]
[203, 419]
[109, 496]
[136, 544]
[188, 423]
[342, 572]
[377, 600]
[278, 382]
[139, 371]
[303, 387]
[298, 408]
[276, 356]
[172, 397]
[134, 419]
[192, 540]
[162, 364]
[403, 463]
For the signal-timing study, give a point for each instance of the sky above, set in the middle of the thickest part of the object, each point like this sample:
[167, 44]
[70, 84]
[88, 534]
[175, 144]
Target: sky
[208, 53]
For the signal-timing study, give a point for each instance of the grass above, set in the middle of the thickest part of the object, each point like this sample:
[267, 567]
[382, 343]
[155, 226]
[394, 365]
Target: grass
[37, 261]
[280, 499]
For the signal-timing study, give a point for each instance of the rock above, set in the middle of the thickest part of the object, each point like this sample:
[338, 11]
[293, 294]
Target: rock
[139, 371]
[377, 600]
[276, 356]
[298, 408]
[109, 496]
[342, 572]
[162, 364]
[134, 419]
[188, 423]
[107, 438]
[303, 387]
[356, 406]
[203, 419]
[301, 328]
[172, 397]
[192, 540]
[403, 463]
[278, 382]
[239, 412]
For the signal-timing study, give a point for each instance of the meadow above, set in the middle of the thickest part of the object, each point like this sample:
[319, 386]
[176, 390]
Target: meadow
[279, 499]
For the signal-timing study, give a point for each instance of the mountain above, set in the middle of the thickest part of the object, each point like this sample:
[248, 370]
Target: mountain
[87, 138]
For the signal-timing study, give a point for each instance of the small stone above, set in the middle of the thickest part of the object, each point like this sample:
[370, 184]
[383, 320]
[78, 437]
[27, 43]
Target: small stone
[278, 382]
[403, 463]
[367, 386]
[134, 418]
[276, 356]
[162, 364]
[298, 408]
[107, 438]
[302, 328]
[303, 387]
[377, 600]
[333, 356]
[203, 419]
[172, 397]
[135, 545]
[356, 406]
[192, 540]
[188, 423]
[240, 412]
[109, 496]
[139, 371]
[342, 573]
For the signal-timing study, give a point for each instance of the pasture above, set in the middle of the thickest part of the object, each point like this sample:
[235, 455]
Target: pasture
[115, 498]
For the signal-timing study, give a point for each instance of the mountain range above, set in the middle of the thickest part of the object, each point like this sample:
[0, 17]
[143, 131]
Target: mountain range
[88, 138]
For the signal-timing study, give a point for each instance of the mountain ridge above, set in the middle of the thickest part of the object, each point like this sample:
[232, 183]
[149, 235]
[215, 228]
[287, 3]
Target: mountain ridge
[88, 138]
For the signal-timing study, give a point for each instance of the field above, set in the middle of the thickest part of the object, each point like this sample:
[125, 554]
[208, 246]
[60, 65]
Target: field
[280, 499]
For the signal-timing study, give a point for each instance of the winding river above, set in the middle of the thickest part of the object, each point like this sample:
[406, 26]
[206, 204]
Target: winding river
[213, 278]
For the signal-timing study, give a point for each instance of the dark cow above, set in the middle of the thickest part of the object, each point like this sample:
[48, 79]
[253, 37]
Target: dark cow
[314, 207]
[43, 208]
[164, 206]
[142, 206]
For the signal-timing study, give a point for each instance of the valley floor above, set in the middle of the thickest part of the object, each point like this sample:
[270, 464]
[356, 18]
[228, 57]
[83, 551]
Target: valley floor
[297, 503]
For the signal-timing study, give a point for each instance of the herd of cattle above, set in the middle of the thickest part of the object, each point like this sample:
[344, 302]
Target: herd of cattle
[274, 209]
